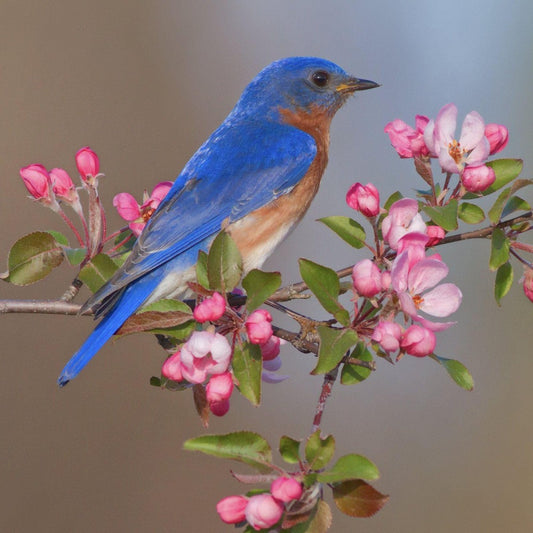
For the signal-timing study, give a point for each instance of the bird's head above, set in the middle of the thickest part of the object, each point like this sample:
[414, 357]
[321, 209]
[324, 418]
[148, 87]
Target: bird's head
[299, 83]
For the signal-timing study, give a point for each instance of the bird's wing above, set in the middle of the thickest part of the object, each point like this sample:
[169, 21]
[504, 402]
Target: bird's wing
[237, 170]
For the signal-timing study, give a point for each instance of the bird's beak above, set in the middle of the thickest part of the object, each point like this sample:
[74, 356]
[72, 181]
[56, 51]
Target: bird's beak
[356, 84]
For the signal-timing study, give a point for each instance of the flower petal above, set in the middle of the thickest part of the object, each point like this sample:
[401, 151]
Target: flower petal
[442, 300]
[426, 274]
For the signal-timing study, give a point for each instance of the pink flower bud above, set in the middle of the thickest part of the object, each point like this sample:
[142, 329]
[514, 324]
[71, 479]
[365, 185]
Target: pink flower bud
[87, 163]
[263, 511]
[211, 308]
[258, 326]
[286, 489]
[477, 178]
[388, 335]
[219, 387]
[363, 198]
[37, 181]
[498, 137]
[270, 349]
[385, 279]
[171, 368]
[63, 186]
[407, 141]
[418, 341]
[435, 234]
[527, 283]
[231, 509]
[366, 278]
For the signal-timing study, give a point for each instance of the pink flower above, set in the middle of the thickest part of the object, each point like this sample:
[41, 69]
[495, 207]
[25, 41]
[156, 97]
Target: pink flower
[263, 511]
[38, 182]
[87, 163]
[403, 218]
[138, 215]
[415, 245]
[477, 178]
[210, 309]
[204, 354]
[218, 392]
[258, 326]
[388, 335]
[498, 137]
[472, 147]
[418, 341]
[231, 509]
[171, 368]
[527, 283]
[407, 141]
[63, 186]
[286, 489]
[363, 198]
[270, 349]
[435, 234]
[366, 278]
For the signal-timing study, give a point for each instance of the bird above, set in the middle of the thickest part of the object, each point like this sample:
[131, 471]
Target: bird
[255, 177]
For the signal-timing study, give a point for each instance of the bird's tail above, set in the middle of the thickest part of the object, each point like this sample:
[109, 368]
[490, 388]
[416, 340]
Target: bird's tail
[130, 300]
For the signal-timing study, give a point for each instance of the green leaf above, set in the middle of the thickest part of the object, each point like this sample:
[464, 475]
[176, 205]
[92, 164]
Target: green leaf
[32, 258]
[259, 286]
[496, 211]
[59, 237]
[75, 255]
[324, 284]
[334, 343]
[224, 264]
[351, 373]
[504, 281]
[319, 521]
[347, 229]
[318, 450]
[201, 270]
[458, 372]
[506, 170]
[247, 365]
[351, 466]
[394, 197]
[289, 449]
[358, 498]
[243, 446]
[444, 216]
[97, 271]
[515, 203]
[471, 213]
[499, 252]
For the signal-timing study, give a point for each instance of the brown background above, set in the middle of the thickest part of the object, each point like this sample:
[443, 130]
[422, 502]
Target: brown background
[144, 83]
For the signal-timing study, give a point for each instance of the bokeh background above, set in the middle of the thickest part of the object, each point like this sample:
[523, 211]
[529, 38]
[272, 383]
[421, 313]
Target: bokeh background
[144, 83]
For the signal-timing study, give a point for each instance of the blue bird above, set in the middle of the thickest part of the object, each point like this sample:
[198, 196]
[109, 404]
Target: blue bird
[256, 176]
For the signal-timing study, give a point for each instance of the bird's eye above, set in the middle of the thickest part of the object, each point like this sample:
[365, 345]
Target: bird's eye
[320, 78]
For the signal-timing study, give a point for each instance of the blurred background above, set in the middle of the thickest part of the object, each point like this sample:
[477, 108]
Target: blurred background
[144, 83]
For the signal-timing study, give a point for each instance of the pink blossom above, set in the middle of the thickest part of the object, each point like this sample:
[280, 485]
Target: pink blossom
[388, 335]
[218, 392]
[385, 279]
[286, 489]
[38, 182]
[258, 326]
[270, 349]
[87, 163]
[138, 215]
[403, 218]
[231, 509]
[263, 511]
[366, 278]
[498, 137]
[477, 178]
[171, 368]
[472, 147]
[527, 283]
[415, 245]
[435, 234]
[407, 141]
[418, 341]
[63, 186]
[210, 309]
[363, 198]
[205, 353]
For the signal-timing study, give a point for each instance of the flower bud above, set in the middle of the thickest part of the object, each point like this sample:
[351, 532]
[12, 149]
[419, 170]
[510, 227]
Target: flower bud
[87, 163]
[363, 198]
[435, 234]
[498, 137]
[527, 283]
[37, 181]
[219, 387]
[258, 326]
[210, 309]
[366, 278]
[286, 489]
[270, 349]
[231, 509]
[388, 335]
[263, 511]
[171, 368]
[63, 186]
[477, 178]
[418, 341]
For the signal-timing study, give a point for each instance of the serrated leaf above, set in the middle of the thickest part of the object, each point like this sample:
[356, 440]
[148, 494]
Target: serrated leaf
[243, 446]
[470, 213]
[319, 451]
[289, 449]
[444, 216]
[515, 203]
[224, 264]
[499, 250]
[358, 498]
[32, 258]
[201, 270]
[97, 271]
[457, 371]
[334, 343]
[324, 283]
[496, 211]
[347, 229]
[351, 373]
[506, 170]
[247, 366]
[503, 282]
[351, 466]
[259, 286]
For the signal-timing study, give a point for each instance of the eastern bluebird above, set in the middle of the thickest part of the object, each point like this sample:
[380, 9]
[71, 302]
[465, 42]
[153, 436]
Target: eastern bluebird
[256, 175]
